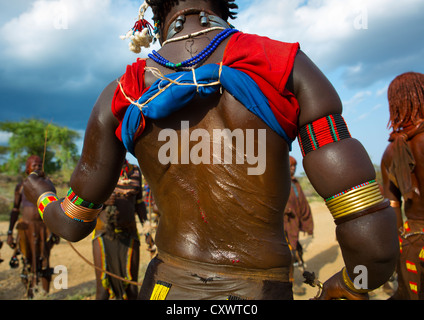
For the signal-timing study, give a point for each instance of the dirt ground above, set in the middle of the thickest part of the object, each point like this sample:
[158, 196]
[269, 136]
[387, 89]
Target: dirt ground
[321, 254]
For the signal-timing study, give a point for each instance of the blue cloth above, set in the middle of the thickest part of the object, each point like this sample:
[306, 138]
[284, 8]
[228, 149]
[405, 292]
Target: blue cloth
[175, 97]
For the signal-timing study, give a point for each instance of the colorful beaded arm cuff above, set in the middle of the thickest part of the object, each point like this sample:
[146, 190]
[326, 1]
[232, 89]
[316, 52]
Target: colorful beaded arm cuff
[44, 200]
[321, 132]
[355, 199]
[78, 209]
[80, 202]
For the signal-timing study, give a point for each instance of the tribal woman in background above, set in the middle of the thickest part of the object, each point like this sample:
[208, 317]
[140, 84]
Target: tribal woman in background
[34, 240]
[402, 168]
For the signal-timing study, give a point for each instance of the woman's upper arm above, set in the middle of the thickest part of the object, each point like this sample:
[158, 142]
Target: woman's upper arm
[97, 171]
[316, 95]
[337, 166]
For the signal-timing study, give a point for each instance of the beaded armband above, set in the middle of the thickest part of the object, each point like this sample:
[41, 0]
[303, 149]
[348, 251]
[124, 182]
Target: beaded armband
[78, 209]
[44, 200]
[356, 201]
[322, 132]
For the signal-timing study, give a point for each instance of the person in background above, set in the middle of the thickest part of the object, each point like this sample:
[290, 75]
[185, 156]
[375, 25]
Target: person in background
[116, 243]
[402, 168]
[297, 216]
[34, 240]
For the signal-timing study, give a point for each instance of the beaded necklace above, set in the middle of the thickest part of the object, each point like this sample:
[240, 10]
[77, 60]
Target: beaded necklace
[197, 59]
[192, 35]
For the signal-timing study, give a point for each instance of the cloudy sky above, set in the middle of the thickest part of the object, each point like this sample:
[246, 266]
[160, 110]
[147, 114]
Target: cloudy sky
[57, 56]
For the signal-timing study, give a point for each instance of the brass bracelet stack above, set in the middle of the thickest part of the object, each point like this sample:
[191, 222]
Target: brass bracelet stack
[348, 282]
[78, 212]
[78, 209]
[360, 200]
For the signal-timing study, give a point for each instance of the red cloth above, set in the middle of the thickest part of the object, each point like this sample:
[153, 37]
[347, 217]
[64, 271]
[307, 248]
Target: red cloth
[133, 84]
[268, 62]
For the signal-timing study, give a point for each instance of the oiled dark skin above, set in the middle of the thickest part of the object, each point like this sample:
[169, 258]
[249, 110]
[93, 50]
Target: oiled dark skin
[414, 208]
[217, 213]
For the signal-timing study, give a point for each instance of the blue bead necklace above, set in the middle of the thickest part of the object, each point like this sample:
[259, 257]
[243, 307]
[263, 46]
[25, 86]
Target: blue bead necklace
[204, 54]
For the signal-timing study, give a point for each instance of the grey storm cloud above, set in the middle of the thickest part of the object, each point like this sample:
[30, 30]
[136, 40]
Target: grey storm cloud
[57, 56]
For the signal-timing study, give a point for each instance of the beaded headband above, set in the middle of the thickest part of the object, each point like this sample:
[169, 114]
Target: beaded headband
[321, 132]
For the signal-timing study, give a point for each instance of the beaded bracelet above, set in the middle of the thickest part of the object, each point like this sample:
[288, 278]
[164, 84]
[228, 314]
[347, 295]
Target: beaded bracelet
[203, 55]
[348, 282]
[75, 199]
[44, 200]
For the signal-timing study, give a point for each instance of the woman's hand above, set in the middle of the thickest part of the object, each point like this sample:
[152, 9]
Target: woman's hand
[335, 289]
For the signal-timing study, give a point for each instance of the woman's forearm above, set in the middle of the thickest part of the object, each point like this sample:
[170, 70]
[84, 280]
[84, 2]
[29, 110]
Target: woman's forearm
[370, 260]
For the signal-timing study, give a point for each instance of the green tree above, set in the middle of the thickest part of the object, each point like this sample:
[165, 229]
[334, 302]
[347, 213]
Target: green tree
[37, 137]
[3, 153]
